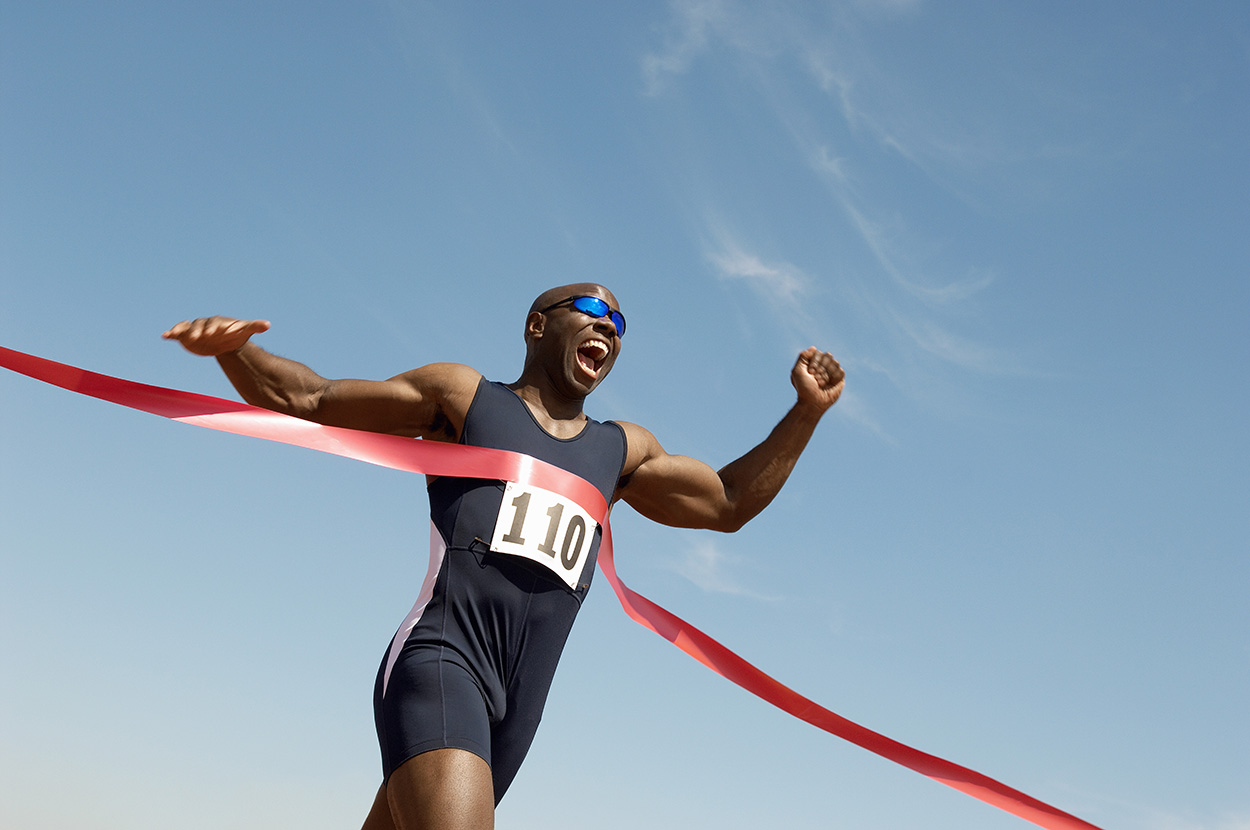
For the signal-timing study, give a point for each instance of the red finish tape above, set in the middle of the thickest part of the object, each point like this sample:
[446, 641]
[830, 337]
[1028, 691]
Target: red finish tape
[434, 458]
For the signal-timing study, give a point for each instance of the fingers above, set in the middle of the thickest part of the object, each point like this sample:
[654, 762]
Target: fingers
[822, 367]
[214, 335]
[818, 378]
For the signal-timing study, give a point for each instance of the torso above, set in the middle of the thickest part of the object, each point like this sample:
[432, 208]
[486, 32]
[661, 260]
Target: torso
[493, 622]
[468, 509]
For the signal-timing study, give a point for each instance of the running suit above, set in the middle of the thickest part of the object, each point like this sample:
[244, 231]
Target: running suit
[471, 665]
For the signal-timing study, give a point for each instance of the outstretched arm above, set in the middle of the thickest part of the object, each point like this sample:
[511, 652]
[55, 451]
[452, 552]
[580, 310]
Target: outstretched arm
[429, 402]
[684, 492]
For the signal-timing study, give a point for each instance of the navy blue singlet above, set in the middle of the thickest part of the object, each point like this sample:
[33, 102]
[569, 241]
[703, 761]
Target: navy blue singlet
[471, 665]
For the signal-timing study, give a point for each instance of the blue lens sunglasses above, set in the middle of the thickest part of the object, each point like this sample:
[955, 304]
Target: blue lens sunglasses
[594, 307]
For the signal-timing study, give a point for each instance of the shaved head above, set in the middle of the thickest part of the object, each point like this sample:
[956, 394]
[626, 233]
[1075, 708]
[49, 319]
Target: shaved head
[579, 289]
[571, 348]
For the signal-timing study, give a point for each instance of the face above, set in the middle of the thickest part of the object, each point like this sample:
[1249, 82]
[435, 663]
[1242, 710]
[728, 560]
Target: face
[575, 348]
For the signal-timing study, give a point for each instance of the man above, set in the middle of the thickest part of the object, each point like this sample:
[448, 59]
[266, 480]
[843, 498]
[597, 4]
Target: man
[462, 686]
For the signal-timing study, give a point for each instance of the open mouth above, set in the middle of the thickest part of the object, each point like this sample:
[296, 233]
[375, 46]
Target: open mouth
[591, 355]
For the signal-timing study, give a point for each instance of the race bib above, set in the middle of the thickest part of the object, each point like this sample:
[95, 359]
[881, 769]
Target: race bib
[546, 528]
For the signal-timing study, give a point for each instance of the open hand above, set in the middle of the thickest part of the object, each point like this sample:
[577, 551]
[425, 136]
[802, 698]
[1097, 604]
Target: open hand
[212, 336]
[818, 378]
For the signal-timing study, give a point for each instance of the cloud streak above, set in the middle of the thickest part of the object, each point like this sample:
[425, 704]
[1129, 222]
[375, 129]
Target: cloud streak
[688, 37]
[905, 304]
[780, 284]
[710, 568]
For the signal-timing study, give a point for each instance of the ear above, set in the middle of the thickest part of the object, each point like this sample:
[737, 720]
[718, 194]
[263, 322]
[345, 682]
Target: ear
[534, 325]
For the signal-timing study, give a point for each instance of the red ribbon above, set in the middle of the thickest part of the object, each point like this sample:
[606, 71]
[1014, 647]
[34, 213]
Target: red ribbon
[434, 458]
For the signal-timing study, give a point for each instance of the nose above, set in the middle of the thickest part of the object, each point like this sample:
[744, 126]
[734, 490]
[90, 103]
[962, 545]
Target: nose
[604, 325]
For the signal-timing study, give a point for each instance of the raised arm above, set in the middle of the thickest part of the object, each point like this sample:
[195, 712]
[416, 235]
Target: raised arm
[429, 402]
[684, 492]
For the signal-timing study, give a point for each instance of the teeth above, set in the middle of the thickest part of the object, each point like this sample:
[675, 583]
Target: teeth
[597, 347]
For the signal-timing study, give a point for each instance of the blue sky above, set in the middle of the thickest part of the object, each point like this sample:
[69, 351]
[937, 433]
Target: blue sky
[1019, 542]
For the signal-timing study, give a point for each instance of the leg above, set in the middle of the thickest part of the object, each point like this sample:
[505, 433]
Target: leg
[379, 817]
[444, 789]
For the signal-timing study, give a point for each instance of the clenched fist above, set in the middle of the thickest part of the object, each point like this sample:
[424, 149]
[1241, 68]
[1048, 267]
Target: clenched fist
[818, 378]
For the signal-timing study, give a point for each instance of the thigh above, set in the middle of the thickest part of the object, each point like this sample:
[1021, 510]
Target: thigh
[430, 703]
[527, 697]
[444, 789]
[510, 742]
[379, 817]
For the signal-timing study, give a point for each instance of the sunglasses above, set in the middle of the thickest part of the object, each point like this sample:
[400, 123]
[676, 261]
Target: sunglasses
[593, 307]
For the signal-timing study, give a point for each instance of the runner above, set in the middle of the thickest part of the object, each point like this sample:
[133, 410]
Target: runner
[461, 687]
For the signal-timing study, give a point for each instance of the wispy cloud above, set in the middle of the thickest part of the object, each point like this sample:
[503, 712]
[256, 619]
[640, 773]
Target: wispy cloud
[908, 303]
[951, 348]
[780, 283]
[686, 39]
[423, 35]
[838, 82]
[711, 569]
[912, 314]
[886, 250]
[786, 289]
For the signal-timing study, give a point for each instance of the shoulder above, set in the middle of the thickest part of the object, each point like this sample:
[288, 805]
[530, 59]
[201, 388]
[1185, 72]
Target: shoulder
[442, 380]
[640, 445]
[443, 392]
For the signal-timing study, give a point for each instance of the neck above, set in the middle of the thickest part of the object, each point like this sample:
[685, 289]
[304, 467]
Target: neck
[558, 413]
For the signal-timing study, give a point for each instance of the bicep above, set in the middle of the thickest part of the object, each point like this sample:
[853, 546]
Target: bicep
[428, 402]
[674, 490]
